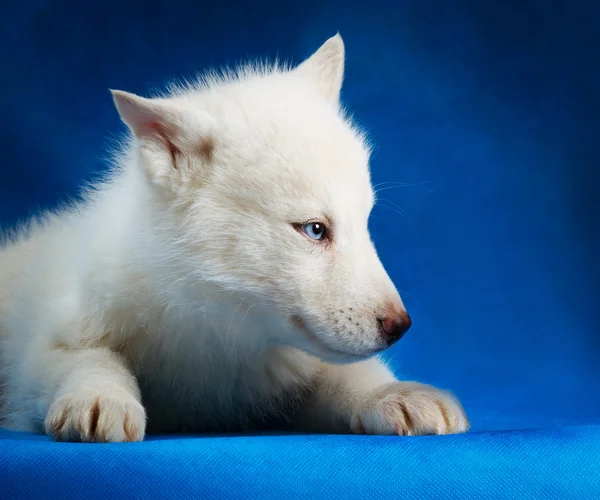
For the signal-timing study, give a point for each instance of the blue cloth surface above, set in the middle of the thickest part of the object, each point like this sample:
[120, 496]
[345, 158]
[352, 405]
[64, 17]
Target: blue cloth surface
[548, 464]
[487, 112]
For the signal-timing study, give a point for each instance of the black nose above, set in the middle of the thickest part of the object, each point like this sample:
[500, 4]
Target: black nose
[394, 326]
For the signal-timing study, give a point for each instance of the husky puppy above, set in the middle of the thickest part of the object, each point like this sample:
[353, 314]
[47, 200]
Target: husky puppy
[221, 278]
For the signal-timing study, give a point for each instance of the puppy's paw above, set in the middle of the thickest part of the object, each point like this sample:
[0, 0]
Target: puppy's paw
[102, 417]
[409, 409]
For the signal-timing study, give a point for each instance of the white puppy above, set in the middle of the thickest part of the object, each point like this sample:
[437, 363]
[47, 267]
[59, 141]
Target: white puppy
[222, 278]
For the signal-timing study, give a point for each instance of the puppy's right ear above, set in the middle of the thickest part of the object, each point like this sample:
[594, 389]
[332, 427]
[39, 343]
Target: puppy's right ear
[171, 142]
[149, 119]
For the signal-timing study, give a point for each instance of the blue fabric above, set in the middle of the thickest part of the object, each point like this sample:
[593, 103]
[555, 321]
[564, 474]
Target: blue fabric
[549, 464]
[488, 111]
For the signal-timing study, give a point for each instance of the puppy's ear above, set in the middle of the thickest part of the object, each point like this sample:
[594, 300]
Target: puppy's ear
[147, 118]
[326, 68]
[171, 141]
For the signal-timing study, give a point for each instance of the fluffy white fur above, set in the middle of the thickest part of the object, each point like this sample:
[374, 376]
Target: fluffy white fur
[182, 293]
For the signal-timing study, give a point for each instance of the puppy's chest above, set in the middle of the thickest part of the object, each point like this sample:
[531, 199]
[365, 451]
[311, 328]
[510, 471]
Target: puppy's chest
[196, 387]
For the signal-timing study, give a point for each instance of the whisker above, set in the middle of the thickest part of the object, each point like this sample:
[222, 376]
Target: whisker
[410, 295]
[241, 322]
[233, 316]
[385, 188]
[381, 186]
[395, 208]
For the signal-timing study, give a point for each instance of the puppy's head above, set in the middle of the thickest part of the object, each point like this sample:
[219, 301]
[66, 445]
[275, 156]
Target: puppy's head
[270, 187]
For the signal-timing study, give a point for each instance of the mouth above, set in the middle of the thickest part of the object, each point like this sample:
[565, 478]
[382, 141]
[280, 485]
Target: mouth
[341, 355]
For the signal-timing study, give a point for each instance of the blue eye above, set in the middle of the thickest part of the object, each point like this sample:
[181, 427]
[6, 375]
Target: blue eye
[314, 230]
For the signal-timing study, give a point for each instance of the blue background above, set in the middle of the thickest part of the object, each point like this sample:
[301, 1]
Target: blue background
[488, 111]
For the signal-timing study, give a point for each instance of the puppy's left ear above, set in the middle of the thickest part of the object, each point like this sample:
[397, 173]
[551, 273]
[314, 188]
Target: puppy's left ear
[326, 68]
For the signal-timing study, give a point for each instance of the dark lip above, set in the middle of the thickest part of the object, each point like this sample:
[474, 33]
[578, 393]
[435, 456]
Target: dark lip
[299, 323]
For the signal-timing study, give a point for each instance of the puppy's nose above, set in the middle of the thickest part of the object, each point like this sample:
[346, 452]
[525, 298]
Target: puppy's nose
[394, 326]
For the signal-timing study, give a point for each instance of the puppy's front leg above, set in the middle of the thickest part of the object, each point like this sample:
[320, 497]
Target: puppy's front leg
[91, 396]
[365, 398]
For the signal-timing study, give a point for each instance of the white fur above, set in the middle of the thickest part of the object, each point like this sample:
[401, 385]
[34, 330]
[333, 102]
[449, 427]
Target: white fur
[182, 284]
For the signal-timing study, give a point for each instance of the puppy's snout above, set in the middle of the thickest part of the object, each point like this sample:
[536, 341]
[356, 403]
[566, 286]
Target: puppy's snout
[394, 325]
